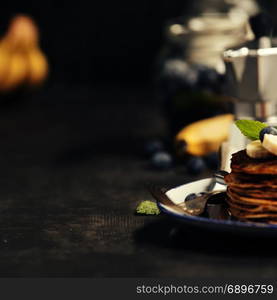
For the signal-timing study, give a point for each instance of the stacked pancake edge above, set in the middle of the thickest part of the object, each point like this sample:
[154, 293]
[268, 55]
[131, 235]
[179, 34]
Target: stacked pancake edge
[252, 188]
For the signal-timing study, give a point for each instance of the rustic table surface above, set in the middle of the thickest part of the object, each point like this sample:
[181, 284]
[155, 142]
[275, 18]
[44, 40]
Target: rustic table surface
[70, 179]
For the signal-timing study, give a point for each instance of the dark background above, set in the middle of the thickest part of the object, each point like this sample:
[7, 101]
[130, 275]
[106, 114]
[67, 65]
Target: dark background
[98, 41]
[103, 41]
[71, 176]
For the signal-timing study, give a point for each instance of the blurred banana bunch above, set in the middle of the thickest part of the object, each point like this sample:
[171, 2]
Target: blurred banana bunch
[205, 136]
[22, 63]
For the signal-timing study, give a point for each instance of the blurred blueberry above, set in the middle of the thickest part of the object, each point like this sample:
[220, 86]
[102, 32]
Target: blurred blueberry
[190, 197]
[267, 130]
[195, 165]
[212, 160]
[208, 77]
[193, 196]
[176, 73]
[153, 146]
[161, 160]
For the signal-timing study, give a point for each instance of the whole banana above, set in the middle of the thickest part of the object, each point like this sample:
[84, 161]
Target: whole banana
[21, 60]
[38, 66]
[16, 73]
[205, 136]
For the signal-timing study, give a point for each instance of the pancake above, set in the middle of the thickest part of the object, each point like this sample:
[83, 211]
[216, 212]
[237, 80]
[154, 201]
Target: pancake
[257, 209]
[255, 193]
[242, 163]
[251, 208]
[252, 188]
[252, 216]
[251, 201]
[246, 181]
[272, 222]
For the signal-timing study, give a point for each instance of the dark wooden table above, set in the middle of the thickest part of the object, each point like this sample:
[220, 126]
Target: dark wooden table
[70, 179]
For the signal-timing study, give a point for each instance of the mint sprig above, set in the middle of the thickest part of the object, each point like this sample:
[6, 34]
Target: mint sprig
[147, 208]
[251, 129]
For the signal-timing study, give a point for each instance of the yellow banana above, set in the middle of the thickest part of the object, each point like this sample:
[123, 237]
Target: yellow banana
[22, 33]
[17, 72]
[205, 136]
[38, 66]
[21, 60]
[4, 62]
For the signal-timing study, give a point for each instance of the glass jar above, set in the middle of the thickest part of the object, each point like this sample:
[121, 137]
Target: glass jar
[190, 66]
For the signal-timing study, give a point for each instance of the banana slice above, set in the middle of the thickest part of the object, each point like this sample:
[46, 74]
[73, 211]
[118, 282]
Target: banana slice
[255, 149]
[270, 143]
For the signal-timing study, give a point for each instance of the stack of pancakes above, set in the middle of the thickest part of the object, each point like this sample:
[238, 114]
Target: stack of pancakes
[252, 188]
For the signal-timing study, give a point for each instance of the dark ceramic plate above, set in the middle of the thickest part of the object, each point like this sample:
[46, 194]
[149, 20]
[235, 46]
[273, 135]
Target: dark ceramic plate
[178, 195]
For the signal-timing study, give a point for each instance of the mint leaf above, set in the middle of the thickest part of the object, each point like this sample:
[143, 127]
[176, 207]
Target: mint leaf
[251, 129]
[147, 208]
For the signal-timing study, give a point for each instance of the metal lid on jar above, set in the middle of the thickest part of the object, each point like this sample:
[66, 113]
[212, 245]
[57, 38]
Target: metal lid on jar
[205, 37]
[211, 30]
[252, 74]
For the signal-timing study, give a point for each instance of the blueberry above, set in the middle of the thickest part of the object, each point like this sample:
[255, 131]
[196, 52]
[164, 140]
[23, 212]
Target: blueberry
[212, 160]
[193, 196]
[161, 160]
[176, 73]
[190, 197]
[195, 165]
[153, 146]
[208, 77]
[267, 130]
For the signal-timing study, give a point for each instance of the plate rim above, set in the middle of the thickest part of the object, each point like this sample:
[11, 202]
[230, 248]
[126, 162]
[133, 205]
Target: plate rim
[197, 219]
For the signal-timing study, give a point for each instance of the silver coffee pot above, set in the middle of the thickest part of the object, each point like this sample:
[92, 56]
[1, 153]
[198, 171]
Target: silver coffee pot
[251, 73]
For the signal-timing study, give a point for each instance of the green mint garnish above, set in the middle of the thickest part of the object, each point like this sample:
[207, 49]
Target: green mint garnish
[147, 208]
[251, 129]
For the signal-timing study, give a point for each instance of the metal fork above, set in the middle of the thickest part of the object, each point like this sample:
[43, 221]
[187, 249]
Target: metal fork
[192, 207]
